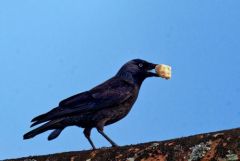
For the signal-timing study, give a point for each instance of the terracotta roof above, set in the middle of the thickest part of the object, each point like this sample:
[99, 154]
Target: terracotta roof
[216, 146]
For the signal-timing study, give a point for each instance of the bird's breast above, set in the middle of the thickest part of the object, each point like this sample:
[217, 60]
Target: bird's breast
[118, 112]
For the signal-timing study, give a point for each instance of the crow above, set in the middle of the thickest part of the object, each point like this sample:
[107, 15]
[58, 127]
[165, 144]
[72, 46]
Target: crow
[100, 106]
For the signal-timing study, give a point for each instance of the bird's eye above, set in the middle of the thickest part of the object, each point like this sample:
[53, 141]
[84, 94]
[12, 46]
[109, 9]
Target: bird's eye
[140, 65]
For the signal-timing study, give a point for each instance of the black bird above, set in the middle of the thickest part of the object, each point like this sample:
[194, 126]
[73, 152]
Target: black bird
[103, 105]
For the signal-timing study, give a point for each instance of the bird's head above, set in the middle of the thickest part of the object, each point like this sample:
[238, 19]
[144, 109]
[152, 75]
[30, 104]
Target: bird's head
[137, 70]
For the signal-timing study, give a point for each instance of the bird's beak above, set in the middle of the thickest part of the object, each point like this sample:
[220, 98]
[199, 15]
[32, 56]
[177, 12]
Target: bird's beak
[151, 71]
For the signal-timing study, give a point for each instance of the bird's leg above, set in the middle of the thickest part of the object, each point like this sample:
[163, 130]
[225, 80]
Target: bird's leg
[100, 130]
[87, 133]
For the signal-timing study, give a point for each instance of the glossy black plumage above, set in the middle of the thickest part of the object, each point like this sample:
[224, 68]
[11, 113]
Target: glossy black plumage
[102, 105]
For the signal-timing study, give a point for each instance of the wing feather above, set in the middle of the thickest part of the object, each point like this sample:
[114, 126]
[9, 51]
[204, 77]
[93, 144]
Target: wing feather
[109, 94]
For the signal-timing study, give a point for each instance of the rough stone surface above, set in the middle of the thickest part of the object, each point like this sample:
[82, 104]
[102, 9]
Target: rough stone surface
[216, 146]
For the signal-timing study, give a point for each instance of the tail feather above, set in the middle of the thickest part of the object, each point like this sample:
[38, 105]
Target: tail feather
[48, 126]
[54, 134]
[34, 132]
[43, 116]
[38, 122]
[39, 117]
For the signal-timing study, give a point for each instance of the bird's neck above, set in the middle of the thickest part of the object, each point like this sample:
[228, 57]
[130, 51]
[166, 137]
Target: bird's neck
[131, 78]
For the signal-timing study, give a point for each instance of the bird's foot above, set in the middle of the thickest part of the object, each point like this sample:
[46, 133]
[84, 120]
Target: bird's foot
[115, 145]
[93, 147]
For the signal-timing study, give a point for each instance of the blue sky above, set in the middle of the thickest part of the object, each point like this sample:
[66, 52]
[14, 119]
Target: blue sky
[50, 50]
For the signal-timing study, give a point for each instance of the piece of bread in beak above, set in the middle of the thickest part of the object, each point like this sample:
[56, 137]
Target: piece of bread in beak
[164, 71]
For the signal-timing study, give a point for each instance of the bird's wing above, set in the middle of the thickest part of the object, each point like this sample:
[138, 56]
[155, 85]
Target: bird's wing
[112, 92]
[80, 99]
[109, 94]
